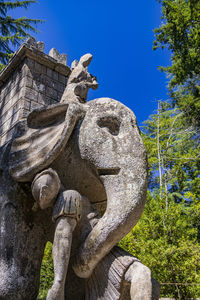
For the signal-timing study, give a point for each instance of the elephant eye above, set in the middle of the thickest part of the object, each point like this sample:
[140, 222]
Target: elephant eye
[111, 123]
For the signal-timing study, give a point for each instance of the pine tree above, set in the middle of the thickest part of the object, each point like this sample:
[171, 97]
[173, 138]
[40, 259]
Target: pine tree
[13, 30]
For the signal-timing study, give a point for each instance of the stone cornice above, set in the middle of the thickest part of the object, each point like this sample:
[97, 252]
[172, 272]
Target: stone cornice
[27, 50]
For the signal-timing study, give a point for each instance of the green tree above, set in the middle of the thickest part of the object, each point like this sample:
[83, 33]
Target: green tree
[180, 33]
[166, 242]
[13, 30]
[167, 236]
[173, 154]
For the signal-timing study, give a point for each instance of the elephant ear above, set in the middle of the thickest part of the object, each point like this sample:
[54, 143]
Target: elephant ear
[49, 129]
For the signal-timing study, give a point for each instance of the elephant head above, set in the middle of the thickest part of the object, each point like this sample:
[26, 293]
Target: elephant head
[108, 140]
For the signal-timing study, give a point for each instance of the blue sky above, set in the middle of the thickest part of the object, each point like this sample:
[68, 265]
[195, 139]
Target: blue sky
[119, 34]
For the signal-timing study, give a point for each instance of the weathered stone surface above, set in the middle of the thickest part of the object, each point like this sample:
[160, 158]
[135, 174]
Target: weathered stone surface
[99, 161]
[61, 58]
[110, 140]
[38, 45]
[109, 275]
[22, 241]
[119, 275]
[45, 188]
[80, 81]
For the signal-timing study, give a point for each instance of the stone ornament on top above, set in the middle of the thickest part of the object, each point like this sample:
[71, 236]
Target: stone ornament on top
[73, 158]
[80, 81]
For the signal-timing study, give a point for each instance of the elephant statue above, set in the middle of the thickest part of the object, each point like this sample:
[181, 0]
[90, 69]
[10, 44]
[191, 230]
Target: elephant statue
[95, 149]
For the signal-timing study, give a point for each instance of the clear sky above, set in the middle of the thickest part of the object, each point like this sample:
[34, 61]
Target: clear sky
[119, 34]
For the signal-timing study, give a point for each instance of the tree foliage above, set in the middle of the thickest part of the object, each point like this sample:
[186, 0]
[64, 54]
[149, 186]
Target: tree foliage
[166, 242]
[46, 272]
[167, 236]
[173, 154]
[180, 33]
[13, 30]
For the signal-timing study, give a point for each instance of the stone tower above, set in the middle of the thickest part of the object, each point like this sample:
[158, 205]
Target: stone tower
[31, 79]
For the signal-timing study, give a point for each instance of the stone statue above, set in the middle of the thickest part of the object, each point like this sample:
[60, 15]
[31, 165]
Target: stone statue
[85, 165]
[79, 82]
[66, 213]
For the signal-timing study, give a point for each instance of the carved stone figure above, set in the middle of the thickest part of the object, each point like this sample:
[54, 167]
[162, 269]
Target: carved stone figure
[45, 188]
[79, 82]
[93, 157]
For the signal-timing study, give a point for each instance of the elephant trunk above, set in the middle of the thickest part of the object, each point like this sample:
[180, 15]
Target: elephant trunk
[125, 202]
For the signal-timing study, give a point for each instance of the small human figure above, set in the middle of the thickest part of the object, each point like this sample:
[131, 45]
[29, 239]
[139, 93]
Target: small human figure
[47, 191]
[66, 214]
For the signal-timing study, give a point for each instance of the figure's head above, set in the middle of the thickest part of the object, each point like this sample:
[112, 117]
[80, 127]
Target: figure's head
[45, 188]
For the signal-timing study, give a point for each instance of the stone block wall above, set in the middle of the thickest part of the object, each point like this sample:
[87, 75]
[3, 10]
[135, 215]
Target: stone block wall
[10, 105]
[32, 79]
